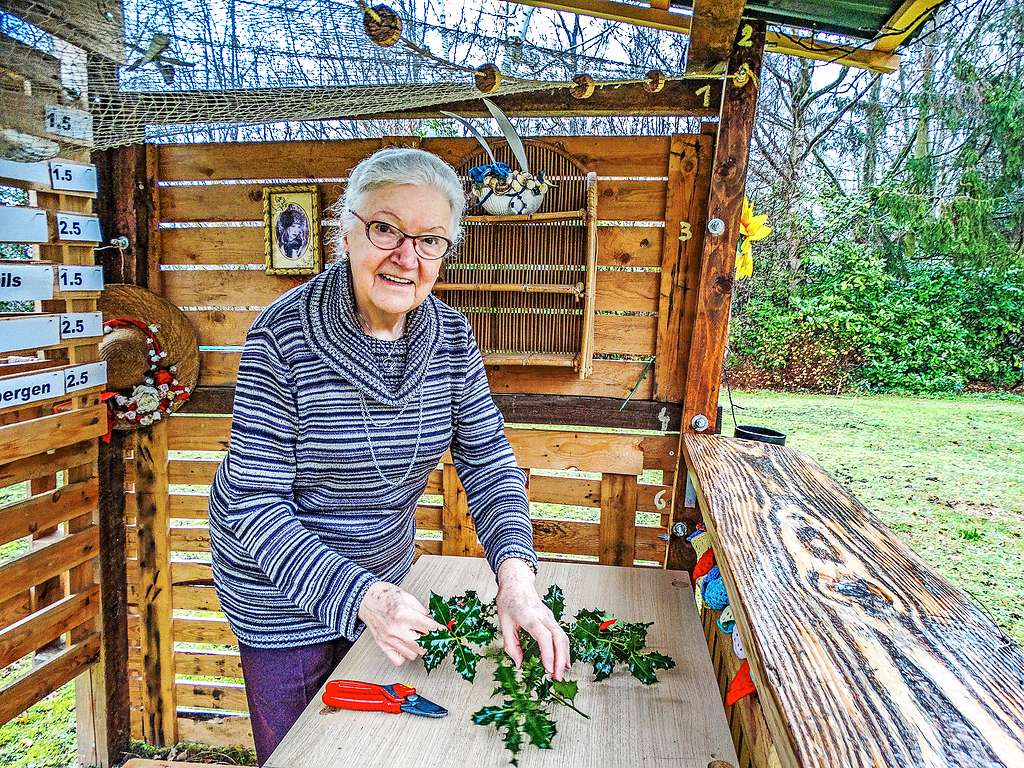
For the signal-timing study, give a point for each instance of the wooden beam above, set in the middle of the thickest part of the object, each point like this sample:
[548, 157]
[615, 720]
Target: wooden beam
[776, 42]
[96, 26]
[126, 206]
[458, 532]
[901, 25]
[520, 409]
[718, 260]
[159, 722]
[712, 33]
[41, 69]
[617, 531]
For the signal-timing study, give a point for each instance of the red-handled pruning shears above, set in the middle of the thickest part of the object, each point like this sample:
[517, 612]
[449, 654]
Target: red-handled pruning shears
[370, 697]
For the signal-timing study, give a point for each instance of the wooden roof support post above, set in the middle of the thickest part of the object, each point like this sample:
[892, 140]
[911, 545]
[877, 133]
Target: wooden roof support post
[707, 341]
[712, 32]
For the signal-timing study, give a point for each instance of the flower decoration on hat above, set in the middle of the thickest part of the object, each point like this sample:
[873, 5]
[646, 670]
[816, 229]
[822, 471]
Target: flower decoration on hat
[160, 390]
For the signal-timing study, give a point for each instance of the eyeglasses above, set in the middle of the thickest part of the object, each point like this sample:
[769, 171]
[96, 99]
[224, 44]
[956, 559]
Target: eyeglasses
[388, 237]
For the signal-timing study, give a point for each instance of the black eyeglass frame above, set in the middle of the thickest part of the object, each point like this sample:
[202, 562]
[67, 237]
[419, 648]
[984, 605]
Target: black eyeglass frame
[404, 236]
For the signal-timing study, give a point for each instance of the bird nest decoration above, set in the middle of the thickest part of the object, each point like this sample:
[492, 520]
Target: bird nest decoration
[498, 188]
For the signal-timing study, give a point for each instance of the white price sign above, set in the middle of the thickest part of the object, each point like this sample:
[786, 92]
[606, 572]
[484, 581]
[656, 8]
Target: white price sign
[72, 177]
[81, 278]
[31, 387]
[65, 121]
[25, 282]
[29, 332]
[76, 226]
[36, 174]
[85, 376]
[23, 225]
[79, 325]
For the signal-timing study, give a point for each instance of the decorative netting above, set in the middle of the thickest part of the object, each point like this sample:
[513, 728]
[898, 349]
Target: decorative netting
[166, 70]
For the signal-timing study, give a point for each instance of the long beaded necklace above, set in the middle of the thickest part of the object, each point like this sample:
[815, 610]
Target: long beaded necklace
[367, 420]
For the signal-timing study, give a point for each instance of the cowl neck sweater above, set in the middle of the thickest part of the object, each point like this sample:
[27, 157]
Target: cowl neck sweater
[334, 334]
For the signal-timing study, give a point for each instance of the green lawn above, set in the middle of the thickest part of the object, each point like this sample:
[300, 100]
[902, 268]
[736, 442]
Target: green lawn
[946, 475]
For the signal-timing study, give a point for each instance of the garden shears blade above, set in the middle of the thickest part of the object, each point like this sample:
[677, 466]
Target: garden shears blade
[370, 697]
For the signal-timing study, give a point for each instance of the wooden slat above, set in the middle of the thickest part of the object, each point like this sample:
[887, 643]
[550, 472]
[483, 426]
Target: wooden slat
[48, 561]
[18, 696]
[48, 509]
[227, 730]
[15, 608]
[97, 27]
[154, 585]
[29, 438]
[48, 464]
[713, 27]
[194, 598]
[607, 155]
[41, 69]
[847, 631]
[718, 261]
[619, 200]
[230, 696]
[618, 519]
[189, 506]
[458, 531]
[190, 539]
[617, 246]
[628, 291]
[535, 448]
[208, 664]
[46, 625]
[203, 630]
[191, 471]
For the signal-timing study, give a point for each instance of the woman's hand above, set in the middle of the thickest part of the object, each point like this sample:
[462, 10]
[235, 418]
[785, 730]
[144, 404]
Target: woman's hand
[519, 605]
[396, 620]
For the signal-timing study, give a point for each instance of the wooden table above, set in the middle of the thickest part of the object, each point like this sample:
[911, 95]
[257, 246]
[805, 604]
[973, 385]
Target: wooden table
[679, 721]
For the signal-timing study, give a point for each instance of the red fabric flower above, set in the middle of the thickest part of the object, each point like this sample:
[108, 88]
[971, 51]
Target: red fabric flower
[705, 564]
[741, 685]
[163, 377]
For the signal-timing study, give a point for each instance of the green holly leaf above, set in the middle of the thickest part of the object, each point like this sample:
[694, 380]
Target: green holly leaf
[437, 645]
[482, 635]
[567, 689]
[555, 600]
[604, 663]
[465, 661]
[539, 727]
[439, 609]
[490, 716]
[643, 666]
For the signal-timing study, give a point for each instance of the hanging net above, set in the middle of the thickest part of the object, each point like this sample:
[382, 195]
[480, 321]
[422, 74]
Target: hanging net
[101, 73]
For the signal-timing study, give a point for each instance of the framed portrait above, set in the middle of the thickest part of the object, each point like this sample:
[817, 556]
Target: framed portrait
[291, 230]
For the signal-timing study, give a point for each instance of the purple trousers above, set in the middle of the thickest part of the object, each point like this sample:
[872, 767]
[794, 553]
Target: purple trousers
[280, 683]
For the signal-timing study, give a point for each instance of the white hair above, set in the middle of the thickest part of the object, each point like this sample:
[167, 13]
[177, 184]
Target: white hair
[399, 165]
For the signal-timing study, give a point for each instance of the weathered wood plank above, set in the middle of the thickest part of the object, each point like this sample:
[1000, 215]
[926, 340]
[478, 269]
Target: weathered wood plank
[862, 653]
[47, 561]
[42, 627]
[618, 519]
[681, 717]
[47, 509]
[208, 664]
[618, 200]
[606, 155]
[718, 260]
[18, 696]
[713, 28]
[154, 585]
[229, 696]
[30, 438]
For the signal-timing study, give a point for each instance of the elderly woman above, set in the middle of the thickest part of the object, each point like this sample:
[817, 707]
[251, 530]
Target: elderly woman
[350, 389]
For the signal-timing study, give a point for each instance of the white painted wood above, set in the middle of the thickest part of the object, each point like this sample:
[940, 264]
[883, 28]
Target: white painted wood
[66, 121]
[22, 224]
[74, 278]
[85, 376]
[679, 721]
[73, 177]
[30, 387]
[25, 281]
[78, 227]
[80, 325]
[28, 332]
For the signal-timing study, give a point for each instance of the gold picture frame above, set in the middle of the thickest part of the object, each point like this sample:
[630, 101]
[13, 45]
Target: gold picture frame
[291, 230]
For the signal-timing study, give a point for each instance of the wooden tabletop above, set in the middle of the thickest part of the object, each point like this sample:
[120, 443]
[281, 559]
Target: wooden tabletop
[678, 721]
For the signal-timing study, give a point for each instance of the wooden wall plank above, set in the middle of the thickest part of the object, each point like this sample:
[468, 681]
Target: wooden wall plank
[618, 199]
[607, 155]
[617, 246]
[713, 27]
[208, 664]
[230, 696]
[458, 531]
[48, 509]
[29, 438]
[47, 561]
[227, 730]
[18, 696]
[618, 519]
[44, 626]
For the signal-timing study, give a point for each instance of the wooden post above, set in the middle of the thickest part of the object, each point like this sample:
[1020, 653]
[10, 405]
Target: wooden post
[713, 278]
[618, 519]
[718, 260]
[159, 716]
[458, 534]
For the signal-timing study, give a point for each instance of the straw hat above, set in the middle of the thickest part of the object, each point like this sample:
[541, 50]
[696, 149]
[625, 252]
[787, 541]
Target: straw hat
[152, 355]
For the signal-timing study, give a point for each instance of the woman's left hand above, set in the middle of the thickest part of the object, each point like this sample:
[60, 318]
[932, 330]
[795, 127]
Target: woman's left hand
[519, 605]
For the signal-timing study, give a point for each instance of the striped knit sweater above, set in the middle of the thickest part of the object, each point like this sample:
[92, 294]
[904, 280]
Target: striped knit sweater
[315, 500]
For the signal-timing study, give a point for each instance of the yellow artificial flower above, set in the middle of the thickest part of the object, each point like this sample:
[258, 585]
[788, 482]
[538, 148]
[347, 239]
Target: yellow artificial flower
[752, 228]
